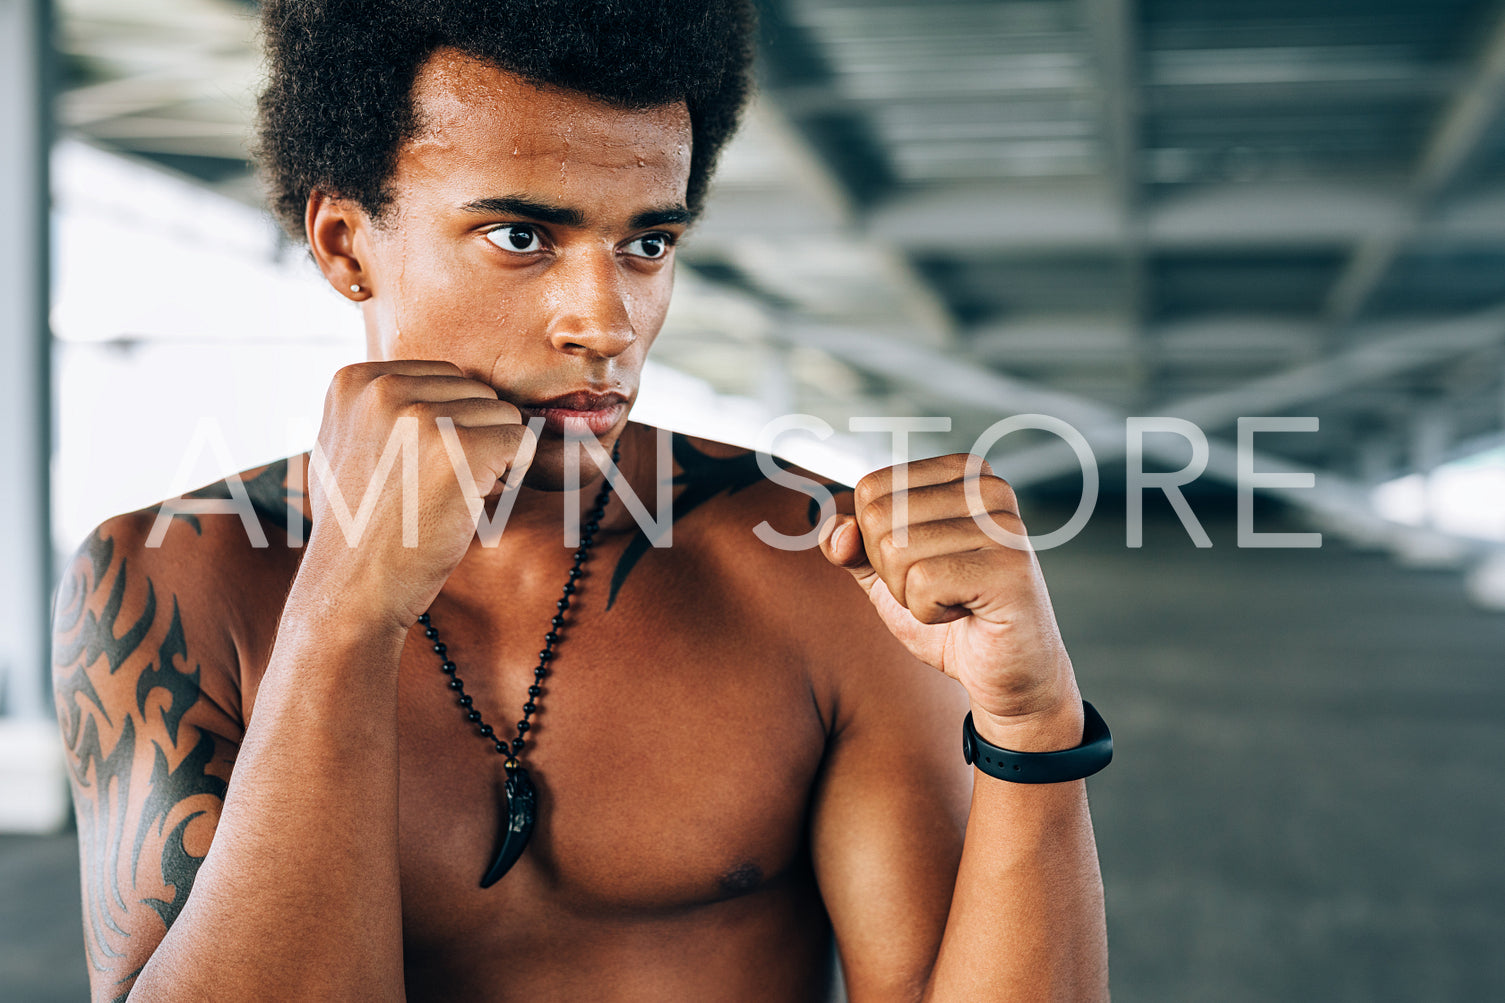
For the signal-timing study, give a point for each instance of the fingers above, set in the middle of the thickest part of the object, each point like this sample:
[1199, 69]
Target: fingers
[397, 389]
[908, 524]
[489, 453]
[841, 541]
[918, 475]
[880, 514]
[476, 412]
[946, 587]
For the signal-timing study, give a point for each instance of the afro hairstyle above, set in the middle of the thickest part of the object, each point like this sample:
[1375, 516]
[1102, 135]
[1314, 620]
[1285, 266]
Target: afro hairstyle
[337, 104]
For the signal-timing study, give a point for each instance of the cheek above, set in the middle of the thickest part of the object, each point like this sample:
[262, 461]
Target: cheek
[648, 304]
[446, 313]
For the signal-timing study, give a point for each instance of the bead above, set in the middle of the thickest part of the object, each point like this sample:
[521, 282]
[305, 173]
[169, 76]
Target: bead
[531, 707]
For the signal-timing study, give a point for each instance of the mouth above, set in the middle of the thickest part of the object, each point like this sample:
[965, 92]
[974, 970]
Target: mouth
[583, 410]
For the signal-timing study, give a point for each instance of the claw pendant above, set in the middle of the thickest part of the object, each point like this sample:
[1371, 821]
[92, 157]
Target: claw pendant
[517, 824]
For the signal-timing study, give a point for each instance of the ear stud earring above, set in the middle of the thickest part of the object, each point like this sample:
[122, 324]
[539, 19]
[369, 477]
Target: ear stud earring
[355, 288]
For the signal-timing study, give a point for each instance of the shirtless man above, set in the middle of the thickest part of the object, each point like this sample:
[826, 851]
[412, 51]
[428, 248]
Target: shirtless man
[740, 751]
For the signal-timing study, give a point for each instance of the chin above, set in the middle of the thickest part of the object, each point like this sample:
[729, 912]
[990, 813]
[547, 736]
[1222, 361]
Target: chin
[547, 471]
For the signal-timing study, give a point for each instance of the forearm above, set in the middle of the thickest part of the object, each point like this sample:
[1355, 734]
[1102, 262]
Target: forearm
[299, 896]
[1027, 919]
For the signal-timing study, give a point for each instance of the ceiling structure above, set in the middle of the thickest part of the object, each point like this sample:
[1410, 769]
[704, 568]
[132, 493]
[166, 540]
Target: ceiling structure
[1089, 208]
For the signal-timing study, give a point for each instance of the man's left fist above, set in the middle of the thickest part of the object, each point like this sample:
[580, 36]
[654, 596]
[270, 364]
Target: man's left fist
[972, 607]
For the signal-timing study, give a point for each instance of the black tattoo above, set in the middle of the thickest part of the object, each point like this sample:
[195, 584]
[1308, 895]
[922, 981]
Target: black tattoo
[179, 868]
[703, 477]
[270, 497]
[108, 743]
[182, 687]
[812, 512]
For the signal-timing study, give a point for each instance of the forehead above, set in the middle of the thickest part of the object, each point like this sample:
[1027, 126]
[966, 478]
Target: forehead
[476, 120]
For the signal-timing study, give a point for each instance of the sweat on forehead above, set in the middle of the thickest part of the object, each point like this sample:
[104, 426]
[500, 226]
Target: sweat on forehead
[453, 89]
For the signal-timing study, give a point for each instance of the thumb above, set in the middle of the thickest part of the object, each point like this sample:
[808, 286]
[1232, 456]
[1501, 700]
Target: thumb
[841, 542]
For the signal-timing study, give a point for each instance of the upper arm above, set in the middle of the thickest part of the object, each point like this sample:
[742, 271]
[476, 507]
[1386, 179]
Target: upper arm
[890, 807]
[144, 690]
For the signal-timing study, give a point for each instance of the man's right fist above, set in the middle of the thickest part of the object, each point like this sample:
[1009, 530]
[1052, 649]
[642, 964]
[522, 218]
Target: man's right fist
[395, 505]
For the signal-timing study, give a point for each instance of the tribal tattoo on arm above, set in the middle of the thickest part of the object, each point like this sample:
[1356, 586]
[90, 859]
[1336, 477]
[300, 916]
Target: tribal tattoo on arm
[149, 754]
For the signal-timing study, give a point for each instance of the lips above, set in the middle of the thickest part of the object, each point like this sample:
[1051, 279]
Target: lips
[597, 412]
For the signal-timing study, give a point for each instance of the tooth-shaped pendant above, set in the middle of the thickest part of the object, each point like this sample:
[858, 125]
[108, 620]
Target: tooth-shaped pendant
[517, 824]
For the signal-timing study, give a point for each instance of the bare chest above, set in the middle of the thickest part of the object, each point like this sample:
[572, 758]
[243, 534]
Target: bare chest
[673, 753]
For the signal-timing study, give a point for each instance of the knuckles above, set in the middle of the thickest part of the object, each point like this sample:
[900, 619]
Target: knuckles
[997, 494]
[875, 502]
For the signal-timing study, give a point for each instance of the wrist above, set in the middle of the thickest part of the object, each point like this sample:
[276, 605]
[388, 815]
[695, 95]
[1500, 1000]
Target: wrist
[325, 602]
[1050, 729]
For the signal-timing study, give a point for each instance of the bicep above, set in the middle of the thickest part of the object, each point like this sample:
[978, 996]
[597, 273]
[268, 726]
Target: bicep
[889, 817]
[149, 751]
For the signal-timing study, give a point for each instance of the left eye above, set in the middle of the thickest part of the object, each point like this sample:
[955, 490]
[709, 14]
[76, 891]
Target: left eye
[651, 245]
[515, 237]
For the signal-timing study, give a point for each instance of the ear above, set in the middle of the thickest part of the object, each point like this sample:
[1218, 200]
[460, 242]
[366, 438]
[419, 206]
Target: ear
[335, 230]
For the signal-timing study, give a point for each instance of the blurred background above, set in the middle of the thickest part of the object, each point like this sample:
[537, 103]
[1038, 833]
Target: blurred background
[1089, 209]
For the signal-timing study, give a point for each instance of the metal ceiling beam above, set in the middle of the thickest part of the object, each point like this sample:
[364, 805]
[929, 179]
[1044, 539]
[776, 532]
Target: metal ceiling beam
[1112, 24]
[1084, 218]
[1373, 358]
[823, 147]
[1337, 501]
[1463, 123]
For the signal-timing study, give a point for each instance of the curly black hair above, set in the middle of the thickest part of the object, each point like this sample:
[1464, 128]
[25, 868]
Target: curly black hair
[337, 103]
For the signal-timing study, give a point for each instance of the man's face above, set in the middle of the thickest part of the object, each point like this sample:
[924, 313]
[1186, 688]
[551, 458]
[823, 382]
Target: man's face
[531, 240]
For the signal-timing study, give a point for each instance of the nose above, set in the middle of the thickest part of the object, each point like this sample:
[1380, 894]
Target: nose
[591, 315]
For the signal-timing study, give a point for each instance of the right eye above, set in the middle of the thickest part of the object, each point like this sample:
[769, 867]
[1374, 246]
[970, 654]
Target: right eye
[516, 237]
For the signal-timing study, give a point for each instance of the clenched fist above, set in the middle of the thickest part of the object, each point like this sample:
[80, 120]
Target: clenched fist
[394, 504]
[958, 599]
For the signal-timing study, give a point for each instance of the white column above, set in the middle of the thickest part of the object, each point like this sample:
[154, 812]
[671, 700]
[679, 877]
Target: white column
[30, 752]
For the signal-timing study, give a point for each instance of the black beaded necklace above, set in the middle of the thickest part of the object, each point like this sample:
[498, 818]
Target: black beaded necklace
[522, 800]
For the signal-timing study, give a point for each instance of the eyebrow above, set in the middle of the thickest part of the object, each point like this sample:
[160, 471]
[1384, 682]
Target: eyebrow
[547, 212]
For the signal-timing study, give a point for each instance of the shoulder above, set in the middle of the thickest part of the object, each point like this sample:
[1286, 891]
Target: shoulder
[761, 524]
[189, 572]
[749, 489]
[758, 518]
[146, 642]
[748, 518]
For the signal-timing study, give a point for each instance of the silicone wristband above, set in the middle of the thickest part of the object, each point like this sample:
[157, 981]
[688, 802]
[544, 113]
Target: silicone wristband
[1095, 752]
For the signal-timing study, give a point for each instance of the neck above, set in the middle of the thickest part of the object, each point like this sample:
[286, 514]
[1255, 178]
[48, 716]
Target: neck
[540, 514]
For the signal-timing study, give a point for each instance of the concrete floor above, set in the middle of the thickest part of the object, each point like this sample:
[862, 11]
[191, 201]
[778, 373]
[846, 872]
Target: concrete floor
[1307, 800]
